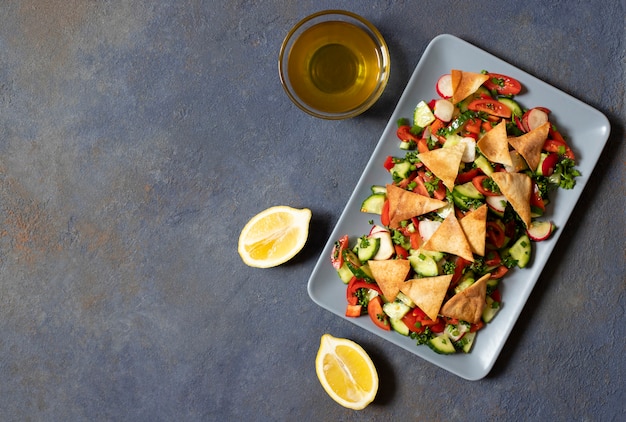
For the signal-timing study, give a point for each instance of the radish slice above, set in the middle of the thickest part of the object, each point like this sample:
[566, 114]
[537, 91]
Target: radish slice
[540, 230]
[497, 203]
[427, 228]
[535, 117]
[469, 154]
[444, 86]
[443, 110]
[377, 228]
[386, 249]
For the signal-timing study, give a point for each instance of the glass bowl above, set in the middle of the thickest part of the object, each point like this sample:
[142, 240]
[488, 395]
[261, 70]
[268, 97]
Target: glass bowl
[334, 64]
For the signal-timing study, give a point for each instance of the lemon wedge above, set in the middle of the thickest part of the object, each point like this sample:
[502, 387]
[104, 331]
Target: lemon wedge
[274, 236]
[346, 372]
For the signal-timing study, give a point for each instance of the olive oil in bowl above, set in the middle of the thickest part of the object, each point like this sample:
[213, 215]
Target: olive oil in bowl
[335, 68]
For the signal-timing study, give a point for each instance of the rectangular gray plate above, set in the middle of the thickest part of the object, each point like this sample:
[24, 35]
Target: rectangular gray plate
[587, 130]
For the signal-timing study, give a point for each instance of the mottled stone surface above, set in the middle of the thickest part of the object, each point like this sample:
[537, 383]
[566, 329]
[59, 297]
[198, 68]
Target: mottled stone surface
[136, 139]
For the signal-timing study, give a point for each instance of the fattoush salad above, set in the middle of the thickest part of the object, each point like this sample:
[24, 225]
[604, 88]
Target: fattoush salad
[462, 207]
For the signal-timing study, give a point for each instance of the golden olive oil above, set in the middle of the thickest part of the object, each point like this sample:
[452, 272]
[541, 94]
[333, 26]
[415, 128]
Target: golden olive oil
[334, 66]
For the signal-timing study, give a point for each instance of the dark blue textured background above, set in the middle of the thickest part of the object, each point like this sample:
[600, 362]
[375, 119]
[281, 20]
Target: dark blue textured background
[137, 138]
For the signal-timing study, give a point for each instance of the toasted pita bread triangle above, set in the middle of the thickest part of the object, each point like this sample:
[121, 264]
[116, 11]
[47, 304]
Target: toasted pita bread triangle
[468, 304]
[529, 145]
[404, 204]
[474, 225]
[428, 293]
[517, 188]
[390, 275]
[465, 83]
[450, 238]
[444, 162]
[495, 145]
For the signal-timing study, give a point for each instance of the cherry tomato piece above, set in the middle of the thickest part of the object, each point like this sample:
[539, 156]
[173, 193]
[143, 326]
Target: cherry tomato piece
[404, 134]
[479, 184]
[495, 234]
[502, 84]
[336, 257]
[499, 272]
[378, 317]
[467, 176]
[384, 216]
[389, 163]
[490, 106]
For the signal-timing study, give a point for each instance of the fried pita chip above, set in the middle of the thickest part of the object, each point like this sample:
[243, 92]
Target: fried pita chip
[529, 145]
[474, 225]
[428, 293]
[495, 145]
[465, 83]
[444, 162]
[404, 204]
[517, 188]
[390, 275]
[468, 304]
[518, 162]
[450, 238]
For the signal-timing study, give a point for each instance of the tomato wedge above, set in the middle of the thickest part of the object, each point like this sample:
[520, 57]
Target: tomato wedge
[492, 258]
[498, 272]
[404, 134]
[336, 257]
[384, 216]
[536, 200]
[490, 106]
[401, 252]
[389, 163]
[479, 184]
[502, 84]
[495, 234]
[467, 176]
[378, 317]
[560, 147]
[459, 267]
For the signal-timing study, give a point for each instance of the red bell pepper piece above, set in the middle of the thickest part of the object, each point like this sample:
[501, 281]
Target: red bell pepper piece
[354, 311]
[336, 257]
[378, 317]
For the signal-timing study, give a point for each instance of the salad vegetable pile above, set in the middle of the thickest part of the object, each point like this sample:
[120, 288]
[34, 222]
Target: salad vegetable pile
[462, 207]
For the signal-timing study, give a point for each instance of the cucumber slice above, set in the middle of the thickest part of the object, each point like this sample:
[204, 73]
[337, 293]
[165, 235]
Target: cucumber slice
[467, 280]
[437, 256]
[491, 309]
[442, 344]
[344, 273]
[513, 105]
[466, 342]
[378, 189]
[368, 248]
[399, 326]
[396, 309]
[358, 269]
[468, 190]
[401, 170]
[521, 250]
[405, 299]
[424, 265]
[422, 115]
[373, 204]
[483, 163]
